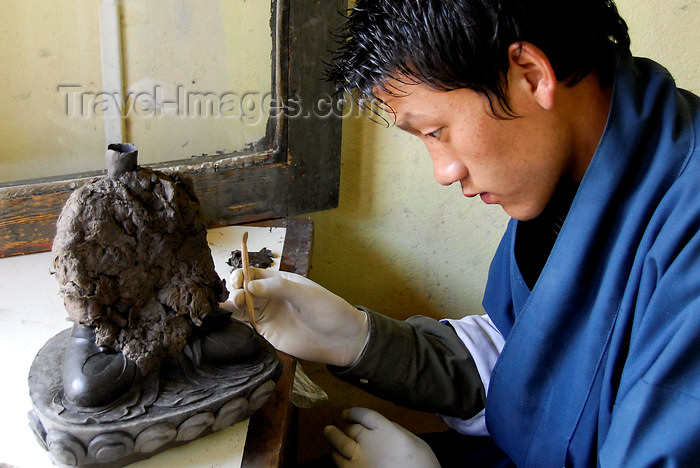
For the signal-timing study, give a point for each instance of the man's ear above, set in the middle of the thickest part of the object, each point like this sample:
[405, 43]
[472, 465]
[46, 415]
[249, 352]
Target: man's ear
[530, 70]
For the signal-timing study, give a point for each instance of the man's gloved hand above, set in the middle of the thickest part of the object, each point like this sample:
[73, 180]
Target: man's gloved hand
[374, 441]
[301, 318]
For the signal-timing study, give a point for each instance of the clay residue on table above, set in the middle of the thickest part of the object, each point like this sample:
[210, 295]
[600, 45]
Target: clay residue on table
[261, 259]
[132, 260]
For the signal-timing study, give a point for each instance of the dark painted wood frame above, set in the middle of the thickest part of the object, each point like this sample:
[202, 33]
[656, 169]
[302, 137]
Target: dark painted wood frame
[295, 169]
[270, 442]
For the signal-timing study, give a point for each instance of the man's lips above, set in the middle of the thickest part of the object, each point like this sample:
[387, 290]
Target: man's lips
[486, 197]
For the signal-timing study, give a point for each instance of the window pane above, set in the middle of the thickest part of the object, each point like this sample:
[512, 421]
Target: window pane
[209, 65]
[197, 76]
[44, 45]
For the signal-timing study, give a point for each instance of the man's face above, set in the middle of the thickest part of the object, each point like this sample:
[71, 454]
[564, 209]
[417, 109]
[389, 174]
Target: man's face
[516, 163]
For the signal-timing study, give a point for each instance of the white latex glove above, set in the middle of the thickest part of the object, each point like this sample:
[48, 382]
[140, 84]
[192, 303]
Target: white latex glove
[301, 318]
[372, 441]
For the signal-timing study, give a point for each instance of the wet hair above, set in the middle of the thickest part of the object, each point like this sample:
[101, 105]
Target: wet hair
[464, 43]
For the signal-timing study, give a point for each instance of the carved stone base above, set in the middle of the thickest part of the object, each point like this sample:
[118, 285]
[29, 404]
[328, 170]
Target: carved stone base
[181, 403]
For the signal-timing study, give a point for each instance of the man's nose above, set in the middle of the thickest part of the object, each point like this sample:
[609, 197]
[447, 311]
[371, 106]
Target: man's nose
[448, 169]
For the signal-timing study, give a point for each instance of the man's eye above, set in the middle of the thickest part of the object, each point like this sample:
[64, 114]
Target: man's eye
[435, 134]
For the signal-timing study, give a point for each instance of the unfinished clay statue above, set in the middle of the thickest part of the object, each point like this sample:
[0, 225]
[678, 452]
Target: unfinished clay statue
[149, 347]
[132, 259]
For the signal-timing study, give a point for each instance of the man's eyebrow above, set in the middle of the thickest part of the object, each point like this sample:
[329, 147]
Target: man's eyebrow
[406, 122]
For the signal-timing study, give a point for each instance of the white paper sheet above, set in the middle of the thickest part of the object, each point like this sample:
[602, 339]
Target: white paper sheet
[31, 312]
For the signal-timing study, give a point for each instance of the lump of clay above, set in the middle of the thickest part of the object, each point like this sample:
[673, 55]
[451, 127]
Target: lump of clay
[133, 262]
[261, 259]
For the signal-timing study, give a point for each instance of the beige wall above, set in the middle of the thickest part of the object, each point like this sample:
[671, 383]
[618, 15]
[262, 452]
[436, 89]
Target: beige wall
[404, 245]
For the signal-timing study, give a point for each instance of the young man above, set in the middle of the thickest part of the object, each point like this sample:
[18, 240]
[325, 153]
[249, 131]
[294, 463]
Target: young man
[588, 354]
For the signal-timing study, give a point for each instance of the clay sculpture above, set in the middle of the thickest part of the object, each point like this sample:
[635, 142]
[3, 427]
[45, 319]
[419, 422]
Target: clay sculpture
[151, 360]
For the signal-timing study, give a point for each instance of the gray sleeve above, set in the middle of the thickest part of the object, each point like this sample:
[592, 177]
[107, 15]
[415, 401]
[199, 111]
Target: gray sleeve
[419, 363]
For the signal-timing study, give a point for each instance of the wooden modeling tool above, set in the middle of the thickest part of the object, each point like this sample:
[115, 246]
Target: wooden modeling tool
[246, 278]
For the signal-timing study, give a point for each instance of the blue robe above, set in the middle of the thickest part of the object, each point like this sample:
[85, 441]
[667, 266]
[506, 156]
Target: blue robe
[602, 358]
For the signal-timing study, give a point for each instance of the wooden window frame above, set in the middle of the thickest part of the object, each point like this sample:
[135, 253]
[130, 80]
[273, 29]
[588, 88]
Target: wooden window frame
[295, 169]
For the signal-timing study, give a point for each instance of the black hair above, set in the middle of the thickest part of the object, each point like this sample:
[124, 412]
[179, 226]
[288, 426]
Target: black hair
[464, 43]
